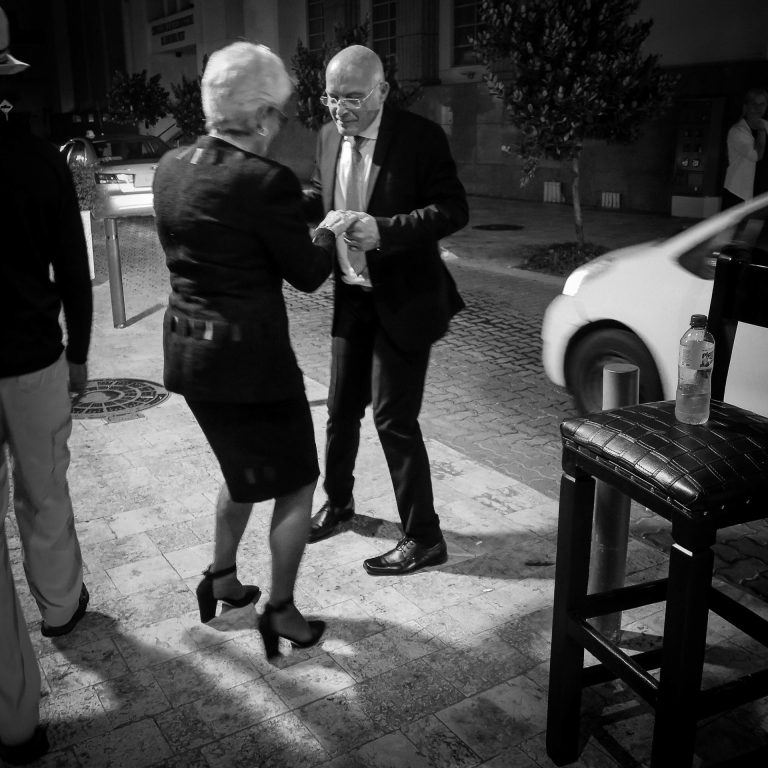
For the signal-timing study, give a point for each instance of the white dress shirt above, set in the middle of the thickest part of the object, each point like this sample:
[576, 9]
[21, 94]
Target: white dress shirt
[742, 160]
[371, 133]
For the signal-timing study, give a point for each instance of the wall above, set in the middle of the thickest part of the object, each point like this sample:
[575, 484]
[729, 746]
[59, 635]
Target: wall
[260, 22]
[688, 32]
[477, 131]
[295, 145]
[715, 46]
[219, 23]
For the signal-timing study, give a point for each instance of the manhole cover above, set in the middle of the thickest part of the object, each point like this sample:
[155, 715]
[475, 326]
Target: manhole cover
[498, 227]
[109, 398]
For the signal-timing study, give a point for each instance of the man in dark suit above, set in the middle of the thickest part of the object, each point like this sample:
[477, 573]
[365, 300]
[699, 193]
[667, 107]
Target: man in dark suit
[393, 297]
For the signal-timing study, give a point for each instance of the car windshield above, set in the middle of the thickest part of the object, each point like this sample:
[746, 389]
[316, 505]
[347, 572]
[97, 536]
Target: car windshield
[132, 148]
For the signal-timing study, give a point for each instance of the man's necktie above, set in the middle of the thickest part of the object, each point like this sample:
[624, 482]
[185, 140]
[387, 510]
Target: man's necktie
[355, 196]
[354, 191]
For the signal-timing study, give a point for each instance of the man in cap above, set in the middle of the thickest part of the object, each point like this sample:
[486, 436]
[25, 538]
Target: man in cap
[39, 211]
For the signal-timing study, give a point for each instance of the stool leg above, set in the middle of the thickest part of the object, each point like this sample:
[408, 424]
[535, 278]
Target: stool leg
[574, 537]
[685, 635]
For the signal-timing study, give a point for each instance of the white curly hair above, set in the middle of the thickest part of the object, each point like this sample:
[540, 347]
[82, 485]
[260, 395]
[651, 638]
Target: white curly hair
[239, 80]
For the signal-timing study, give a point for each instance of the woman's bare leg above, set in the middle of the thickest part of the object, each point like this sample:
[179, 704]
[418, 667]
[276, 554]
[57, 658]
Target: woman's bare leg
[287, 539]
[231, 521]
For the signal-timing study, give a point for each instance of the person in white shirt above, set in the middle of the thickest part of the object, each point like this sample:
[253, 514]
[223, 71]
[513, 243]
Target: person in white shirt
[746, 147]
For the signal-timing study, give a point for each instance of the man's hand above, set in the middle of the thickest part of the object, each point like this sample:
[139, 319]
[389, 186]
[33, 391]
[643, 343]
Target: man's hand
[363, 235]
[78, 377]
[339, 221]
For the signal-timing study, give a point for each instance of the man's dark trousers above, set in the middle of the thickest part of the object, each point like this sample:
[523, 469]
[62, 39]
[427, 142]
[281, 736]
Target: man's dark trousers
[366, 354]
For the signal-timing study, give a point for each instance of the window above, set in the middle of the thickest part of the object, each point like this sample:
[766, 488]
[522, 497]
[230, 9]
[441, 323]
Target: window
[315, 25]
[384, 28]
[133, 148]
[158, 9]
[464, 28]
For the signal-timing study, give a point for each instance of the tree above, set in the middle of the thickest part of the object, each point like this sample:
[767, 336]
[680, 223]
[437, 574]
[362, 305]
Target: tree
[83, 176]
[133, 98]
[186, 107]
[568, 71]
[309, 68]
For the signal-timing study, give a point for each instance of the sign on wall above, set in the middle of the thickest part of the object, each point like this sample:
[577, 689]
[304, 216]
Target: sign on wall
[174, 32]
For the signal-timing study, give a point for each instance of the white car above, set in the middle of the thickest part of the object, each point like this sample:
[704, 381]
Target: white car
[126, 166]
[632, 305]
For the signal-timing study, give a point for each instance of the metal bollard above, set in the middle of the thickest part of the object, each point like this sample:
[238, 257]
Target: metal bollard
[115, 273]
[610, 532]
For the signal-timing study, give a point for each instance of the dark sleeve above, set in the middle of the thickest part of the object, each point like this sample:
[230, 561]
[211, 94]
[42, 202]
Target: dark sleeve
[70, 267]
[313, 195]
[445, 210]
[303, 263]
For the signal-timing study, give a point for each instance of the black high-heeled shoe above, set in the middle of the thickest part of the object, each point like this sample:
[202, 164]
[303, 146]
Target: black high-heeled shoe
[206, 600]
[271, 636]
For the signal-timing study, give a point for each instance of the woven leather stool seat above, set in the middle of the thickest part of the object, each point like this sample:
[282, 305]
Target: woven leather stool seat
[704, 470]
[701, 478]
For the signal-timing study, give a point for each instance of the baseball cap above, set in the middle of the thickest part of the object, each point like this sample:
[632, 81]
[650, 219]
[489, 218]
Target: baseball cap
[9, 65]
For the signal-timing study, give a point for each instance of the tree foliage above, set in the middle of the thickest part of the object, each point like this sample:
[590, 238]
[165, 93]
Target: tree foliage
[309, 69]
[84, 178]
[568, 71]
[134, 98]
[186, 106]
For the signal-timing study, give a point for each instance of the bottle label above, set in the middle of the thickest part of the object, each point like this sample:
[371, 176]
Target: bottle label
[697, 354]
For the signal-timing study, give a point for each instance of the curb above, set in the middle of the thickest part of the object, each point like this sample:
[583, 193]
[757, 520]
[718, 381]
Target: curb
[499, 267]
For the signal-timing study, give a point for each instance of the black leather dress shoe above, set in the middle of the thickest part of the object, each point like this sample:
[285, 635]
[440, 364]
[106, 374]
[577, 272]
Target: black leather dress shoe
[408, 556]
[327, 519]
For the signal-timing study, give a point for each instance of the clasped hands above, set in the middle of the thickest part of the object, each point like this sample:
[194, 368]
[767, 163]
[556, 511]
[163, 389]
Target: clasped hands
[360, 230]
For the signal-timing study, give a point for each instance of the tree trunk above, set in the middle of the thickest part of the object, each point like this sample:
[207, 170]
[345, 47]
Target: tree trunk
[579, 223]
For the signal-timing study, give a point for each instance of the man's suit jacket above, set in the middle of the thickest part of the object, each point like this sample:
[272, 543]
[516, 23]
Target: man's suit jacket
[416, 198]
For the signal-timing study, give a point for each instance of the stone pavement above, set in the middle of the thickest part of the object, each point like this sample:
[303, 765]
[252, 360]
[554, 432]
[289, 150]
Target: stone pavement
[446, 668]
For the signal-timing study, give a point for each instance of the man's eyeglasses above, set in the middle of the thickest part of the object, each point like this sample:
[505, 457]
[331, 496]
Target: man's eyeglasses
[346, 102]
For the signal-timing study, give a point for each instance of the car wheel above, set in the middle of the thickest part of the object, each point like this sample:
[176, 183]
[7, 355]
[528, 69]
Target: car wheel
[584, 367]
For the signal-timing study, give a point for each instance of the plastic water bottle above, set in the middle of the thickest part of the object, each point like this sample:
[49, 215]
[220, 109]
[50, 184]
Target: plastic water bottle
[694, 372]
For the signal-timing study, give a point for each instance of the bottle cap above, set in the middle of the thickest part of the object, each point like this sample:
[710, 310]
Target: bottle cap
[698, 321]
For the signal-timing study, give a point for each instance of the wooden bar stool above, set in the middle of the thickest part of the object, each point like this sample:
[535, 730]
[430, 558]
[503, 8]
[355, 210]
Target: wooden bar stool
[700, 478]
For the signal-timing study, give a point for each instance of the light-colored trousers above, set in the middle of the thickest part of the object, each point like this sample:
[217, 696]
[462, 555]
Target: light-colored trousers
[35, 423]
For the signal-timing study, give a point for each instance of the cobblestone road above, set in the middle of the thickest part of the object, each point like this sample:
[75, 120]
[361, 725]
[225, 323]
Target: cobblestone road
[486, 393]
[486, 396]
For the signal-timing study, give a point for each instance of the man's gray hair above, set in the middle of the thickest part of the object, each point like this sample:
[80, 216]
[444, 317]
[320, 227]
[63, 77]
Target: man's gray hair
[238, 80]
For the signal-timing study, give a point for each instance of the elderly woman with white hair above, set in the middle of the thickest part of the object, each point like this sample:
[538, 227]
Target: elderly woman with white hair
[230, 222]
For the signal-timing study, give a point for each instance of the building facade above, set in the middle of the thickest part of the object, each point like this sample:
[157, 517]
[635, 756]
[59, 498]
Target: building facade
[717, 47]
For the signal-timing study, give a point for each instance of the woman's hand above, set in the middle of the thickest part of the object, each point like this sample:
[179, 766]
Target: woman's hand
[339, 221]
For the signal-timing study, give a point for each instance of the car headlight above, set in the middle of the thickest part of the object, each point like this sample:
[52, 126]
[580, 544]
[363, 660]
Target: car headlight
[580, 274]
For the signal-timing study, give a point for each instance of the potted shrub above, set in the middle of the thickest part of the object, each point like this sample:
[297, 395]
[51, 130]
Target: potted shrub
[186, 107]
[84, 176]
[134, 99]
